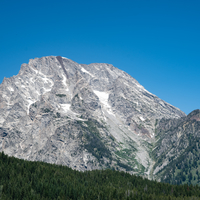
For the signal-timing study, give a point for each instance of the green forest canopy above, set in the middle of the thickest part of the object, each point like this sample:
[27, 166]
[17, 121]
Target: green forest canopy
[20, 179]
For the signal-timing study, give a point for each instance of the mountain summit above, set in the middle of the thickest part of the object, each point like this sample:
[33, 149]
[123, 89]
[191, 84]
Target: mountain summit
[83, 116]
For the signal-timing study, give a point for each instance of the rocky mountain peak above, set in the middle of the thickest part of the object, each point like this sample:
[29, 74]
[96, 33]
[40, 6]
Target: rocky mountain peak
[83, 116]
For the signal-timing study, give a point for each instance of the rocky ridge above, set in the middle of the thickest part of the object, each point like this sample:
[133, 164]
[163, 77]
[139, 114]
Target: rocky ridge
[83, 116]
[177, 150]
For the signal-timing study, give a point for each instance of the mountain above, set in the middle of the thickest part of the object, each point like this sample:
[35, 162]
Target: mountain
[177, 150]
[83, 116]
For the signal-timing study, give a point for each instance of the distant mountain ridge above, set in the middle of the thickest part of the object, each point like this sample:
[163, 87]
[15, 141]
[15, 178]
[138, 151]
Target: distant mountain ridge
[83, 116]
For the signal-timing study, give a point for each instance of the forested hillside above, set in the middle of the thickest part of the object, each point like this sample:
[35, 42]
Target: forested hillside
[185, 169]
[177, 152]
[20, 179]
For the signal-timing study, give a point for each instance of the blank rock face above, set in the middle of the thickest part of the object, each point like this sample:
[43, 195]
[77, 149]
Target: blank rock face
[83, 116]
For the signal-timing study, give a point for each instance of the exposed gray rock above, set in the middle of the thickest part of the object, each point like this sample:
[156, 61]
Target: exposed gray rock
[83, 116]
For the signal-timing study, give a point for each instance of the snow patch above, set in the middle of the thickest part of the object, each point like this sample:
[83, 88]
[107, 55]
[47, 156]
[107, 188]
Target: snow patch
[142, 119]
[110, 111]
[85, 71]
[11, 89]
[65, 58]
[45, 79]
[65, 107]
[29, 104]
[64, 82]
[103, 98]
[31, 80]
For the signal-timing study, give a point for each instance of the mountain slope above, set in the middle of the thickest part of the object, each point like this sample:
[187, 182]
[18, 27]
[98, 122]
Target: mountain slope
[177, 150]
[38, 180]
[83, 116]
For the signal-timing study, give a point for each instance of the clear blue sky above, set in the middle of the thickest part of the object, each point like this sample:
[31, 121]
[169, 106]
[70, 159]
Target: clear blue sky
[155, 41]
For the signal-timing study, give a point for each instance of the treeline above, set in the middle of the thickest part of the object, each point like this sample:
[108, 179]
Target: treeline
[20, 179]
